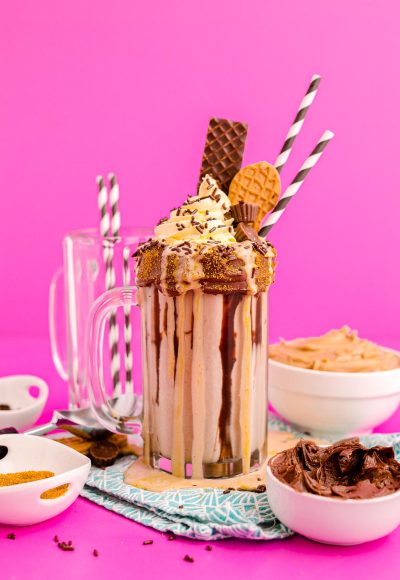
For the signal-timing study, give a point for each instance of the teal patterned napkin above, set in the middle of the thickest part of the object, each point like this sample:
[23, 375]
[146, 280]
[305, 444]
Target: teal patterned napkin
[205, 514]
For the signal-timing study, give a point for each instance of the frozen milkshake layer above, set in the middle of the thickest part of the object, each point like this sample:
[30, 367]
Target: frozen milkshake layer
[337, 350]
[195, 249]
[204, 380]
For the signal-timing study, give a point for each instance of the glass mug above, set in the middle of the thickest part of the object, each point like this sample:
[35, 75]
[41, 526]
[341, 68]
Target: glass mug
[204, 378]
[84, 279]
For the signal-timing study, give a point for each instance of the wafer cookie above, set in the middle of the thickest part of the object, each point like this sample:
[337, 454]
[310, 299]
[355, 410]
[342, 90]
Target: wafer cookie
[259, 184]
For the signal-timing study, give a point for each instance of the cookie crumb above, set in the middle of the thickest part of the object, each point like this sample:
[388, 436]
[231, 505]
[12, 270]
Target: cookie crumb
[95, 553]
[55, 539]
[11, 536]
[208, 548]
[188, 559]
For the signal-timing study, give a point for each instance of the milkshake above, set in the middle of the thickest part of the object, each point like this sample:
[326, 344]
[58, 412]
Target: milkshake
[204, 314]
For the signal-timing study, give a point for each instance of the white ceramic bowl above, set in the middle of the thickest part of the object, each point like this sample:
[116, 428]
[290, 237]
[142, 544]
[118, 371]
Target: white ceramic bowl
[21, 504]
[333, 404]
[16, 391]
[333, 521]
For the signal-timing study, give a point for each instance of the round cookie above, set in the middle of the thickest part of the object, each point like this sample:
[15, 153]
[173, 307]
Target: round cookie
[258, 183]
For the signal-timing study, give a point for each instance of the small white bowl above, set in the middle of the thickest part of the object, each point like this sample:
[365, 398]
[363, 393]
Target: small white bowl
[16, 391]
[344, 522]
[325, 403]
[21, 504]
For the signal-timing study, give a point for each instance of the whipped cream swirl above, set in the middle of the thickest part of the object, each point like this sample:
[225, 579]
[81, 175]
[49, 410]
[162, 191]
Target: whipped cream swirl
[199, 218]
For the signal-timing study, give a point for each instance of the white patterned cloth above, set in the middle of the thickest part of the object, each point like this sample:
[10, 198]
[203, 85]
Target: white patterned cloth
[205, 514]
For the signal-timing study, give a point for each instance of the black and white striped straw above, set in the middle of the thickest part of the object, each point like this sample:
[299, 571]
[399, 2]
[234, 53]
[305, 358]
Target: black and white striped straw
[297, 182]
[127, 327]
[297, 123]
[108, 252]
[114, 329]
[114, 203]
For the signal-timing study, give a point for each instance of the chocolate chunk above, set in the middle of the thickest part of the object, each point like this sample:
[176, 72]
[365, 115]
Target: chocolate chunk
[4, 407]
[223, 152]
[244, 212]
[260, 489]
[103, 453]
[245, 232]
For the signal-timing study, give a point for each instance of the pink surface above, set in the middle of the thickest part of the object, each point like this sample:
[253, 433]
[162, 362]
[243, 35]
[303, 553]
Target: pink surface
[119, 541]
[94, 86]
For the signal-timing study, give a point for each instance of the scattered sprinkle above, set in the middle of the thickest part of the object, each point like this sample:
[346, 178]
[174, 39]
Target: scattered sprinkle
[55, 539]
[180, 507]
[11, 536]
[147, 542]
[171, 537]
[226, 491]
[66, 546]
[95, 553]
[208, 548]
[188, 559]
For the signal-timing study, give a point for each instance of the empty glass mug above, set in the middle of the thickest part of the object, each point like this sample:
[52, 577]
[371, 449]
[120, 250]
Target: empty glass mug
[91, 264]
[204, 379]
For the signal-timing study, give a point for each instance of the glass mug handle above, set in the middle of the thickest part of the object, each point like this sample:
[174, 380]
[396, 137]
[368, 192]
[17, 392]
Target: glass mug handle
[60, 364]
[124, 415]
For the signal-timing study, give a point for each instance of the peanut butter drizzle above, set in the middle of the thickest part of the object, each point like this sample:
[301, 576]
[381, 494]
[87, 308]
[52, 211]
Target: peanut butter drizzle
[178, 450]
[337, 350]
[246, 390]
[197, 387]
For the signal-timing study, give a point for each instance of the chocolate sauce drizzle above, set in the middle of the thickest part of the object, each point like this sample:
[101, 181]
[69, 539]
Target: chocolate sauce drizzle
[227, 349]
[176, 337]
[157, 339]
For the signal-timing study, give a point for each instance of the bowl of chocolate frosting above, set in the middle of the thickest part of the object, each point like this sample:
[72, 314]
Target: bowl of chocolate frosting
[344, 493]
[334, 385]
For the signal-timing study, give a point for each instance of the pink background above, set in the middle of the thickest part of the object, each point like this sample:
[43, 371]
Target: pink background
[94, 86]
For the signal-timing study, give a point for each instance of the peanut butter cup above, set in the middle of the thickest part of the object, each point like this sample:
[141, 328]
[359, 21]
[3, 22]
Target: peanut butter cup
[103, 453]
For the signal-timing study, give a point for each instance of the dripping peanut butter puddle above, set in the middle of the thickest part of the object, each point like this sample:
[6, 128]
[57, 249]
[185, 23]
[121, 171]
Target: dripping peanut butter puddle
[336, 351]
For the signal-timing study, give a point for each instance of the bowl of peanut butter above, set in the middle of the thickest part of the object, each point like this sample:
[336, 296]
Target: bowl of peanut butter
[335, 385]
